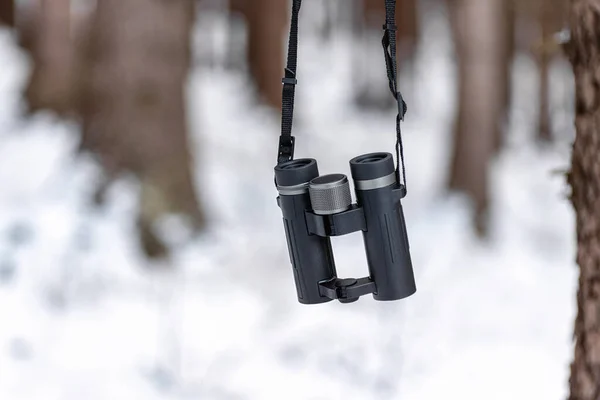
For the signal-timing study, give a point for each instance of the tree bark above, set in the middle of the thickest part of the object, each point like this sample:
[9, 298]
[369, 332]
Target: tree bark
[7, 12]
[544, 122]
[543, 59]
[133, 104]
[266, 23]
[50, 85]
[539, 21]
[508, 16]
[477, 27]
[407, 17]
[584, 178]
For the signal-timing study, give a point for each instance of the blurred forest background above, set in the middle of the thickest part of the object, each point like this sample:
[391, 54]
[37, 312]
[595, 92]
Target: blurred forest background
[120, 69]
[174, 105]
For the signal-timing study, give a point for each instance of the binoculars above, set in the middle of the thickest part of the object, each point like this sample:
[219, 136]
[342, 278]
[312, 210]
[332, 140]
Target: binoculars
[316, 208]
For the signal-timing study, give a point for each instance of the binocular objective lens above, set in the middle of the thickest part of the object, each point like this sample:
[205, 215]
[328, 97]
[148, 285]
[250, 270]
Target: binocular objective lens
[330, 194]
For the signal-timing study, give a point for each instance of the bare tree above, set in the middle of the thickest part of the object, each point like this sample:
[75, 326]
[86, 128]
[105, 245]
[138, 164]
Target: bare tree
[507, 30]
[539, 21]
[546, 17]
[7, 12]
[407, 17]
[584, 178]
[478, 30]
[132, 103]
[48, 37]
[266, 23]
[543, 61]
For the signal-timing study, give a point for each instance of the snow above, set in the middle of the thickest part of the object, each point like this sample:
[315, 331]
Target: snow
[82, 317]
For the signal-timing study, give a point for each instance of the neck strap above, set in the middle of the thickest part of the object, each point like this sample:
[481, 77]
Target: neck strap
[287, 141]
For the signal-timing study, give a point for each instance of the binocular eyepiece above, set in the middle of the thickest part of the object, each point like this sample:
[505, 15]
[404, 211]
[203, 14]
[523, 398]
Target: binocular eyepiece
[316, 208]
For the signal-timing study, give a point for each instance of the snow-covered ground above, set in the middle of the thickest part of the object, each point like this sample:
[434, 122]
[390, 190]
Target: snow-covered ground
[81, 317]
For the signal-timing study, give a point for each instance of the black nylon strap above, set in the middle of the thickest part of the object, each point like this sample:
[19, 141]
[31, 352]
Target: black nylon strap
[286, 140]
[391, 64]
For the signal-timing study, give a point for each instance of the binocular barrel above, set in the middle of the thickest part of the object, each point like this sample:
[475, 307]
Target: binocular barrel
[385, 237]
[311, 256]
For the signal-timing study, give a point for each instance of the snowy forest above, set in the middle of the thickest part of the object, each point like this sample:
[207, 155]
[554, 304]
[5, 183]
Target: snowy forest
[142, 252]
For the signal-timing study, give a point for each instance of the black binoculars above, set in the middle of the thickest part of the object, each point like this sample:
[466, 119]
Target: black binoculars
[316, 208]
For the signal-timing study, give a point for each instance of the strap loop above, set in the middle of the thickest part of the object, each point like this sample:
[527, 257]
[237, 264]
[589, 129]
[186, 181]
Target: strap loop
[289, 81]
[286, 149]
[402, 107]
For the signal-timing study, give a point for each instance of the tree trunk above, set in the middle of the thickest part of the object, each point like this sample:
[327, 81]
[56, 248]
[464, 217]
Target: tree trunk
[133, 104]
[584, 54]
[266, 22]
[329, 9]
[508, 16]
[7, 12]
[544, 123]
[477, 27]
[543, 61]
[407, 19]
[51, 82]
[539, 20]
[237, 6]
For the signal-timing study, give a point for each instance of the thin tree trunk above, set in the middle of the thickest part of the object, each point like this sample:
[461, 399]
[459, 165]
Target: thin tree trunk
[508, 15]
[27, 26]
[543, 61]
[407, 17]
[51, 82]
[266, 21]
[539, 21]
[329, 9]
[133, 105]
[544, 123]
[478, 34]
[584, 54]
[7, 12]
[237, 6]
